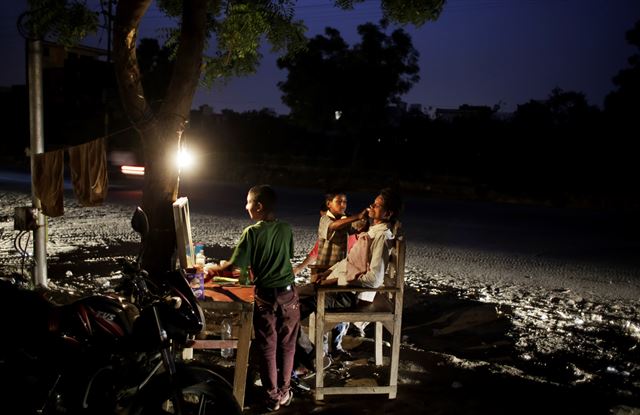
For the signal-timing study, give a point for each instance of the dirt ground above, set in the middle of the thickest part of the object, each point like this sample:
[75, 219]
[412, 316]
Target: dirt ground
[458, 356]
[485, 336]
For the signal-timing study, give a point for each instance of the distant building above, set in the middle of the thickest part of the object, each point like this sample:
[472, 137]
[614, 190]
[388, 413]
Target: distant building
[72, 77]
[55, 56]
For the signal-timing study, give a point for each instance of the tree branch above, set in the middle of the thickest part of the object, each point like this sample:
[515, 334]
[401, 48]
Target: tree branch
[188, 63]
[128, 16]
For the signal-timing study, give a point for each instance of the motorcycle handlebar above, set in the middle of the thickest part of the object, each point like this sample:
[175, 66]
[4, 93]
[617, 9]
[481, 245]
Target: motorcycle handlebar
[134, 282]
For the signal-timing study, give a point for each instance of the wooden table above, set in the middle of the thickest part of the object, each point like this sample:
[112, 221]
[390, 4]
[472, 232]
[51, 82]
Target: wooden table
[232, 299]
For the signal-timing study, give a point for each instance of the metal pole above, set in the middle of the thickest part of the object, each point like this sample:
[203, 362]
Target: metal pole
[37, 147]
[109, 29]
[105, 97]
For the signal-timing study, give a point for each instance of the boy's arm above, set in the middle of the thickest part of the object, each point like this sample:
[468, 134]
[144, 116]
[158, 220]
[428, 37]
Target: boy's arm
[334, 275]
[329, 281]
[323, 278]
[214, 269]
[312, 255]
[341, 223]
[298, 268]
[239, 256]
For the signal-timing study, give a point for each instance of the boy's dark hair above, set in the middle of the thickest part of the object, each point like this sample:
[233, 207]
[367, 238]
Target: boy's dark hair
[392, 202]
[323, 206]
[265, 195]
[331, 193]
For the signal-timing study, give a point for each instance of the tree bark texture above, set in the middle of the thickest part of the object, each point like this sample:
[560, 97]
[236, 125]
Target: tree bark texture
[160, 132]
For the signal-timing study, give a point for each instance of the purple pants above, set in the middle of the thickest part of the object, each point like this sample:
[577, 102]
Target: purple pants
[276, 321]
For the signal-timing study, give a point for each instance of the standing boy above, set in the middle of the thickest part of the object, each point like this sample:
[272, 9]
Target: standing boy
[267, 246]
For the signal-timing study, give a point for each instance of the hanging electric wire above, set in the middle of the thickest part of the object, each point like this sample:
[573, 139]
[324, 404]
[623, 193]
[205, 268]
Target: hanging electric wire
[21, 248]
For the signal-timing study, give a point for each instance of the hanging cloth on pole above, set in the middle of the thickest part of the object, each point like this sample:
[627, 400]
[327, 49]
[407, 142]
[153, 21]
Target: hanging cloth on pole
[48, 181]
[88, 164]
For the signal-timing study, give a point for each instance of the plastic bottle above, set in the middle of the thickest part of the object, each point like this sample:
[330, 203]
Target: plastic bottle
[200, 259]
[225, 334]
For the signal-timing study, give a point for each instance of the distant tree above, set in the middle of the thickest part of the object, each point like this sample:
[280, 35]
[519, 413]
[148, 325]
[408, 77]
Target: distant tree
[624, 102]
[534, 113]
[561, 110]
[570, 109]
[237, 28]
[330, 80]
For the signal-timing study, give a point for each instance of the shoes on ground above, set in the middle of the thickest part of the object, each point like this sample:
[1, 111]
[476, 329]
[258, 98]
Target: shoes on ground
[286, 399]
[301, 371]
[299, 384]
[273, 406]
[308, 375]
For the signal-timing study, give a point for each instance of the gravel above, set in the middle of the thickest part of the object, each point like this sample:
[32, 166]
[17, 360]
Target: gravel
[567, 282]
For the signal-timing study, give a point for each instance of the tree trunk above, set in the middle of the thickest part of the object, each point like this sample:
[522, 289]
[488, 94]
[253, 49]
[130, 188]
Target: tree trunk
[160, 132]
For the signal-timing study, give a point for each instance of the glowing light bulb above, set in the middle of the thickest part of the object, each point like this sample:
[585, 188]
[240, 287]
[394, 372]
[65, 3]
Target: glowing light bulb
[184, 159]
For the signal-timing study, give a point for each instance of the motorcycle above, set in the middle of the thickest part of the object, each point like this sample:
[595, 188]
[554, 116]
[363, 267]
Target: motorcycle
[108, 353]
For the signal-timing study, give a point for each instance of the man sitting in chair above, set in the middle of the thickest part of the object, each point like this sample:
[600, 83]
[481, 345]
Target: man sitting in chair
[365, 264]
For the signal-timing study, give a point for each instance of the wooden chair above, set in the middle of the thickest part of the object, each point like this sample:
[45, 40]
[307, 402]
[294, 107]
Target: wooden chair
[386, 311]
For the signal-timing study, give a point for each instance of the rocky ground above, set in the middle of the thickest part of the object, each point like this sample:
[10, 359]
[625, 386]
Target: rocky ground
[481, 333]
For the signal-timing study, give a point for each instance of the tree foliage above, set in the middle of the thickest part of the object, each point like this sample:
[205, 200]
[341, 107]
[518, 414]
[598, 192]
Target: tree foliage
[416, 12]
[234, 28]
[624, 102]
[66, 21]
[359, 82]
[562, 109]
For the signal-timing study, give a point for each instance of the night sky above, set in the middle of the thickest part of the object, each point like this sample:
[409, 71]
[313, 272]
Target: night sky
[480, 52]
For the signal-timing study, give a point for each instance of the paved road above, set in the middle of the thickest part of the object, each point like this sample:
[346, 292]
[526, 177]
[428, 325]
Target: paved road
[588, 252]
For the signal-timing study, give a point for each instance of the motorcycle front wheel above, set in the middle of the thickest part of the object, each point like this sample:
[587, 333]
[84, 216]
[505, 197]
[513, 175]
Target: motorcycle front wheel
[194, 391]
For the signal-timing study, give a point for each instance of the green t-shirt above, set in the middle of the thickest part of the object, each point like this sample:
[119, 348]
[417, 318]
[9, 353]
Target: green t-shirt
[267, 246]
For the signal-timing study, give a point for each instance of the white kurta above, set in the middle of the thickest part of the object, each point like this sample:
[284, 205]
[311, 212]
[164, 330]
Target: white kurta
[379, 254]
